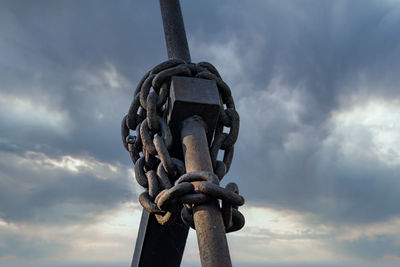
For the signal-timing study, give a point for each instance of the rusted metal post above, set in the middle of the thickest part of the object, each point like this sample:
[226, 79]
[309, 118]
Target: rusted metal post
[207, 217]
[188, 119]
[163, 245]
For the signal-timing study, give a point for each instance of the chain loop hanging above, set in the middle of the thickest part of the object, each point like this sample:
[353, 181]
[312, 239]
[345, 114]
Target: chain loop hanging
[168, 188]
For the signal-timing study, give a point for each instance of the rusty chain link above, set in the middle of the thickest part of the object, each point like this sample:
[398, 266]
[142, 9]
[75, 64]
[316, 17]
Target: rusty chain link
[169, 189]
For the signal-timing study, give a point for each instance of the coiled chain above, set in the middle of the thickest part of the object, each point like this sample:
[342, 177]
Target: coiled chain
[169, 189]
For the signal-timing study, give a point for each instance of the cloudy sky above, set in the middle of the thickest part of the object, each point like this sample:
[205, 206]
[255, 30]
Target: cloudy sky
[318, 156]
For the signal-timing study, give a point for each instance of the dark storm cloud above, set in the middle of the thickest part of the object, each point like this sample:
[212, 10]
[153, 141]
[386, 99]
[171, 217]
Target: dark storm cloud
[58, 98]
[321, 53]
[325, 46]
[56, 53]
[50, 48]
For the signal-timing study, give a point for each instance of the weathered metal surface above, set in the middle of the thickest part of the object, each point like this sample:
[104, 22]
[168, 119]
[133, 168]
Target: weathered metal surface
[159, 168]
[174, 30]
[193, 96]
[188, 97]
[207, 217]
[158, 245]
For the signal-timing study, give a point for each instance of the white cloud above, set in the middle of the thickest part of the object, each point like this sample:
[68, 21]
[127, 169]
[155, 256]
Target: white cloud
[272, 235]
[224, 55]
[107, 77]
[370, 231]
[24, 111]
[276, 236]
[369, 129]
[109, 237]
[71, 163]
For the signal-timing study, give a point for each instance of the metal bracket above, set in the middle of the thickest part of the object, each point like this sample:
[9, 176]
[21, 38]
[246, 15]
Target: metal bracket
[188, 97]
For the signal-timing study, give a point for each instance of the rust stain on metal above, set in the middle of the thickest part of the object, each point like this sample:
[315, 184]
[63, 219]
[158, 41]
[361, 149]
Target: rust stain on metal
[210, 230]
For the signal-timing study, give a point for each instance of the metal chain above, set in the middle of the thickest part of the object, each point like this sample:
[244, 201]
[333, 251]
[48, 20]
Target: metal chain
[168, 186]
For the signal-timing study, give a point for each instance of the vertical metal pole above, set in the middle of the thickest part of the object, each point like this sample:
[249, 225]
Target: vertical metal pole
[174, 30]
[210, 229]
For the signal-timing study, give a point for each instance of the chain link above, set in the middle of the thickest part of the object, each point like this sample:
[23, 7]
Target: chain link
[169, 189]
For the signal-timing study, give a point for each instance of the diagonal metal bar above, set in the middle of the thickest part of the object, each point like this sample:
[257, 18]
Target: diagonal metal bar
[174, 30]
[158, 245]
